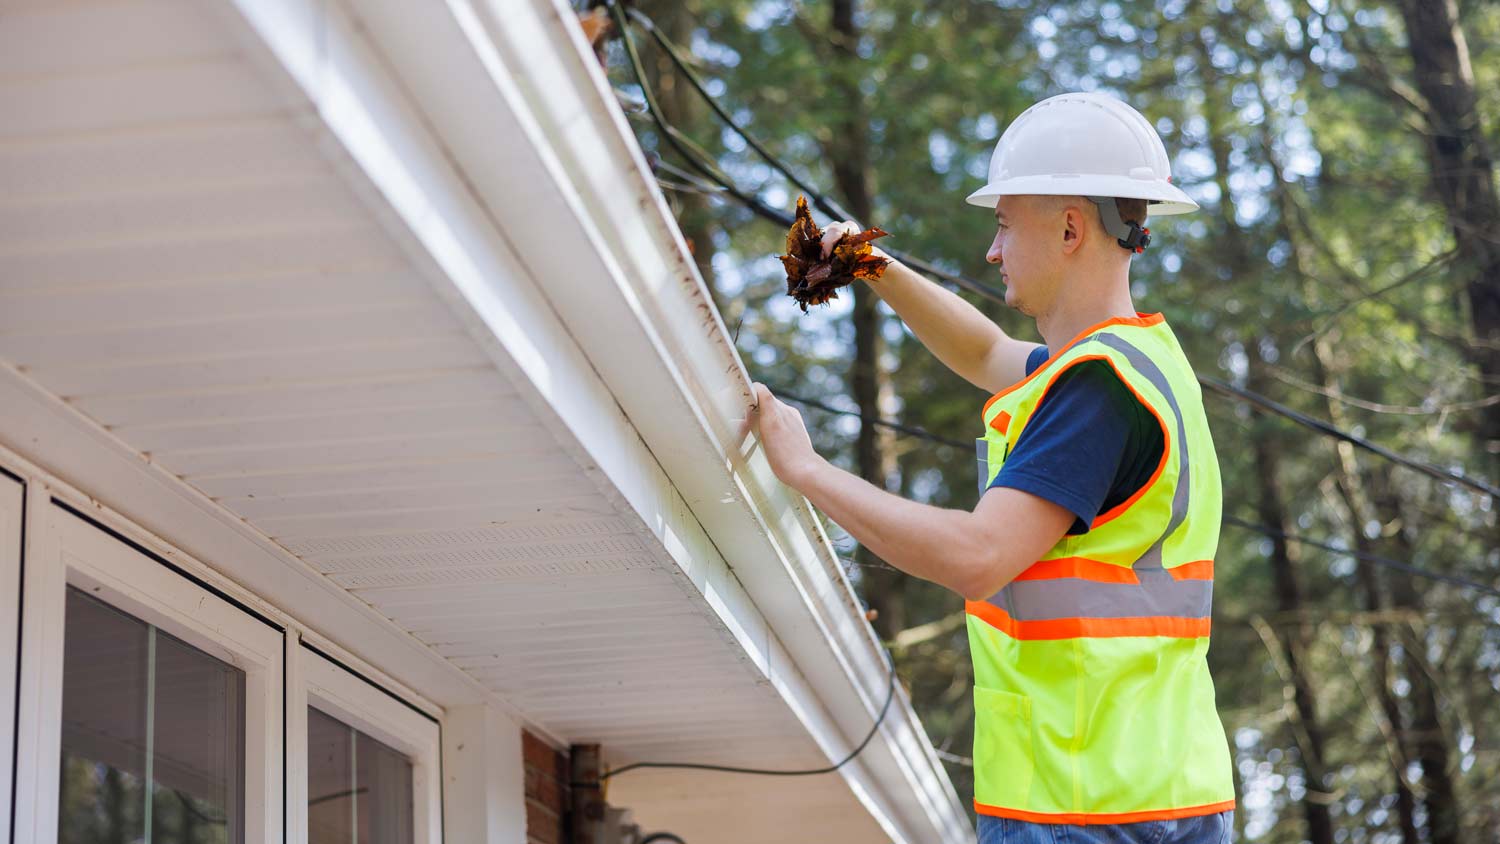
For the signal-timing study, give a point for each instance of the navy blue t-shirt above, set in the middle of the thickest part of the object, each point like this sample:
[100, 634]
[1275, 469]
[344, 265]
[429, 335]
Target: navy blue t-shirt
[1088, 446]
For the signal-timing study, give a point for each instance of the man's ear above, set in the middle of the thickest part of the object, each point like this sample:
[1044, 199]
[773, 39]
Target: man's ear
[1073, 229]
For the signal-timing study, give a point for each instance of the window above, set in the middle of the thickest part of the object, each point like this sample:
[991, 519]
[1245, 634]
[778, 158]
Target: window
[151, 701]
[372, 759]
[153, 734]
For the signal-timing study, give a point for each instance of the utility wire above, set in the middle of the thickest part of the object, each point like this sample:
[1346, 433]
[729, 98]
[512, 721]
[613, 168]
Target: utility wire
[712, 172]
[1339, 434]
[1363, 556]
[890, 696]
[908, 430]
[701, 161]
[1265, 530]
[1233, 521]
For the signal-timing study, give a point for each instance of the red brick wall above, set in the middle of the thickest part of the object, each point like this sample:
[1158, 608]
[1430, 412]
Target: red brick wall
[546, 790]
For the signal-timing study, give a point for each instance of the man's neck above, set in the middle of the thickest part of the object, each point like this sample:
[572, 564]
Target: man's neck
[1064, 323]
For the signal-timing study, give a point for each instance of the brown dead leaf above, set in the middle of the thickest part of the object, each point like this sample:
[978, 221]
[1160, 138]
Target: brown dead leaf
[812, 279]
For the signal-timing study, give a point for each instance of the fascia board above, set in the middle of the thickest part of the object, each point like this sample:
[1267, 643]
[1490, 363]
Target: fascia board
[576, 210]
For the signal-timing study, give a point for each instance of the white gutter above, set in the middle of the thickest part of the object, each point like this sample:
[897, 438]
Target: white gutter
[421, 107]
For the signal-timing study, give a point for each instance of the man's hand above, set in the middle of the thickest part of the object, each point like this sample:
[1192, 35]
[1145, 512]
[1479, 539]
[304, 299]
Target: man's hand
[834, 231]
[784, 437]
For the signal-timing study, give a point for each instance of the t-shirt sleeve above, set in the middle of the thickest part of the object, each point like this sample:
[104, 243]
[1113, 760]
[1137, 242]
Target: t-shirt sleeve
[1074, 442]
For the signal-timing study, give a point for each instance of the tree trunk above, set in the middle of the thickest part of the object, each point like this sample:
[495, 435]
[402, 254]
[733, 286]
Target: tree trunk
[851, 173]
[1428, 743]
[1463, 176]
[1352, 493]
[1272, 512]
[1360, 513]
[1285, 559]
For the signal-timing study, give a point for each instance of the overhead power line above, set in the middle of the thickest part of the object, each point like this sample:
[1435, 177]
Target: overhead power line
[908, 430]
[700, 161]
[1418, 571]
[1272, 406]
[696, 157]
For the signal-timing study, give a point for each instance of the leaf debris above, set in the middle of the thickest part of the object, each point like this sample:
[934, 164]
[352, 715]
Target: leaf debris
[812, 279]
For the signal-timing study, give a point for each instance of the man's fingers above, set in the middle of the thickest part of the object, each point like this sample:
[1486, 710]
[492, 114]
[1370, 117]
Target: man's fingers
[831, 236]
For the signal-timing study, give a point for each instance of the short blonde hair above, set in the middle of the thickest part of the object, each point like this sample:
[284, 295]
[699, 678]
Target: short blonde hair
[1131, 210]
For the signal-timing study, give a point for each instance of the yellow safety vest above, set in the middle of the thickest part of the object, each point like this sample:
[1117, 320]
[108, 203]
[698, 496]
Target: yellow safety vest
[1092, 698]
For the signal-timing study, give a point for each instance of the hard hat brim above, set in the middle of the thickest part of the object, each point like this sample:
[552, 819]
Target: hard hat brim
[1165, 199]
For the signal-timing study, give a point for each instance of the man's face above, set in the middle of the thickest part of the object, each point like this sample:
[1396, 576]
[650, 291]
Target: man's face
[1023, 238]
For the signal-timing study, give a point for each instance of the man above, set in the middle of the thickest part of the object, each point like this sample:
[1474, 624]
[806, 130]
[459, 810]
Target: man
[1087, 565]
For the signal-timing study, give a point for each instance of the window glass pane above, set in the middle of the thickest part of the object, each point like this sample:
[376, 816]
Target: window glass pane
[359, 789]
[199, 740]
[141, 706]
[102, 796]
[330, 780]
[385, 793]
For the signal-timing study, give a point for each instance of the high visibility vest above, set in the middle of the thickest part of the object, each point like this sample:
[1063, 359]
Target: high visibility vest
[1092, 697]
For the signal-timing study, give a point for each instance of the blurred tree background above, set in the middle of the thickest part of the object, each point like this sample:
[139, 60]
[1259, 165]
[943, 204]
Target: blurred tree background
[1346, 263]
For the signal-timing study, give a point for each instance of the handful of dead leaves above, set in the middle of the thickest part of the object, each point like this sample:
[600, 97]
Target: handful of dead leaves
[812, 279]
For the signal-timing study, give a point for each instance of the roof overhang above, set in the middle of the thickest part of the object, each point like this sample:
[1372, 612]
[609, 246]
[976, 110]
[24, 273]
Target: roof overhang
[486, 141]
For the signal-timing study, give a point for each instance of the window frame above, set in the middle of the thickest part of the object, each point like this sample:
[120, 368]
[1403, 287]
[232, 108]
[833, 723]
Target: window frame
[12, 535]
[67, 548]
[351, 695]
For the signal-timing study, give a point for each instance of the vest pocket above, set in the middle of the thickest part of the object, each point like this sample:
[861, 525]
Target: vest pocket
[1003, 763]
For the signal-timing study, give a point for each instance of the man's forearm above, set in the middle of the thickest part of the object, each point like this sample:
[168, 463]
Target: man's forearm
[920, 539]
[952, 329]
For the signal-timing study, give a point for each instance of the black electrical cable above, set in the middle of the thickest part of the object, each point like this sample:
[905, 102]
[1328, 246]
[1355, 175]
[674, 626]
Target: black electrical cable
[696, 158]
[834, 209]
[1361, 555]
[898, 427]
[1337, 433]
[662, 836]
[825, 204]
[890, 696]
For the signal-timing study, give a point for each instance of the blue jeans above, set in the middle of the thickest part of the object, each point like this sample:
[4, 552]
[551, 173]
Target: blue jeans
[1204, 829]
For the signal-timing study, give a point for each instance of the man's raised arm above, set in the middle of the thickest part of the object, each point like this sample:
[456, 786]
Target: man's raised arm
[965, 340]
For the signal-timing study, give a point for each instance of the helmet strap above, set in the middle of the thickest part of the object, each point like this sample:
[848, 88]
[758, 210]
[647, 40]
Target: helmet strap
[1130, 235]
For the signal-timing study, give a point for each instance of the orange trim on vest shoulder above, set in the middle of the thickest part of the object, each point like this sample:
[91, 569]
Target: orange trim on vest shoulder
[1001, 422]
[1174, 627]
[1140, 320]
[1166, 436]
[1085, 818]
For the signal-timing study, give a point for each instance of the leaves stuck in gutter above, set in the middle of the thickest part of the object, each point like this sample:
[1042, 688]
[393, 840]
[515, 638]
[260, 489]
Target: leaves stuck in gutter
[812, 279]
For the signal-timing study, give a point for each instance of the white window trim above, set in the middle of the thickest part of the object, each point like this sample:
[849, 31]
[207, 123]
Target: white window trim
[12, 511]
[372, 708]
[64, 549]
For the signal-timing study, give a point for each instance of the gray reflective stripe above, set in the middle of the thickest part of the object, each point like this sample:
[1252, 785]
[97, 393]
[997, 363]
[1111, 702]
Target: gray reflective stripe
[1151, 559]
[982, 449]
[1157, 593]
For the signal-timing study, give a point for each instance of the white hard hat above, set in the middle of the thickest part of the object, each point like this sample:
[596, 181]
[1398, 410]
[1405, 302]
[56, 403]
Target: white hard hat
[1086, 144]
